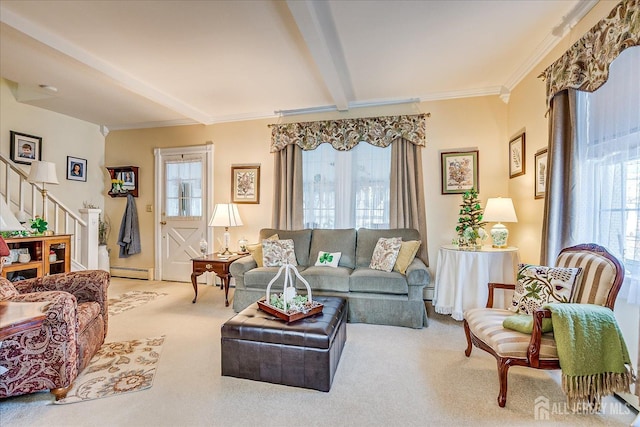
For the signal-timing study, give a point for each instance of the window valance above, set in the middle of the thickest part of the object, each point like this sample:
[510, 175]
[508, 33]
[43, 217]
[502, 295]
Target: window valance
[345, 134]
[585, 66]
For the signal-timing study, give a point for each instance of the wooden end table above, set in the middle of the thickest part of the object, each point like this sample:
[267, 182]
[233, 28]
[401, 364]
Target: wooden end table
[218, 264]
[18, 317]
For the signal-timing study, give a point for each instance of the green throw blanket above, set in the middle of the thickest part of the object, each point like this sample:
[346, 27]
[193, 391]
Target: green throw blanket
[593, 355]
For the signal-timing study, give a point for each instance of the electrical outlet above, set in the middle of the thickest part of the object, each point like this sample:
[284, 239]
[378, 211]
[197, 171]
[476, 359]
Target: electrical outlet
[149, 208]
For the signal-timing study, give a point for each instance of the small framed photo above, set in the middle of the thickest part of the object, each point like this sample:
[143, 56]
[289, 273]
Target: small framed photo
[245, 184]
[76, 169]
[25, 148]
[459, 171]
[517, 156]
[541, 174]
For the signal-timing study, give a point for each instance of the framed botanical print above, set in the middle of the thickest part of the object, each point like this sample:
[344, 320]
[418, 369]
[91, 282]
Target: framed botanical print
[245, 184]
[459, 171]
[540, 185]
[25, 148]
[517, 160]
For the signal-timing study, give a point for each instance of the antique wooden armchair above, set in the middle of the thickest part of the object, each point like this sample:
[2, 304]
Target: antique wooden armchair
[598, 283]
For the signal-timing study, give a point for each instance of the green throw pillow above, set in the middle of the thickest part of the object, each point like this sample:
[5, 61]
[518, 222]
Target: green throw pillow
[524, 323]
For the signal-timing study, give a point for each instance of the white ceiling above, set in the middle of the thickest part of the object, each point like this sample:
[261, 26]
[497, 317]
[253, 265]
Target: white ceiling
[131, 64]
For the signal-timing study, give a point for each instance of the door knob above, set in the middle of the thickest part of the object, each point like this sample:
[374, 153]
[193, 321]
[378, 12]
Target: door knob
[163, 222]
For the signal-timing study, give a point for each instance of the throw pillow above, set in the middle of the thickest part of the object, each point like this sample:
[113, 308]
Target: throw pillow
[256, 250]
[277, 252]
[385, 253]
[524, 323]
[538, 285]
[408, 251]
[328, 259]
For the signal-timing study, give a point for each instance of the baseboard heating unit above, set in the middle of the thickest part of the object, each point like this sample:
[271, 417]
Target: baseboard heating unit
[132, 272]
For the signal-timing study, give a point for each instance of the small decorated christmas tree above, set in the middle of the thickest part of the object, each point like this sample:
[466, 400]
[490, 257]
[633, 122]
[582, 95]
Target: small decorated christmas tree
[470, 220]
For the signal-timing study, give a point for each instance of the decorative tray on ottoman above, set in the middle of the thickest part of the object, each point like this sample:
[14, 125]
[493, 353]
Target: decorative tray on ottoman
[288, 305]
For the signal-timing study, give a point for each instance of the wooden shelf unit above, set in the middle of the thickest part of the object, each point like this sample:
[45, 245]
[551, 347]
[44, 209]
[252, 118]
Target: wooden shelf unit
[39, 248]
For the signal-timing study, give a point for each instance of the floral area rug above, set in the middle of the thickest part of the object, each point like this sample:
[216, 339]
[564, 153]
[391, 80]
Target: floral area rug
[117, 368]
[131, 299]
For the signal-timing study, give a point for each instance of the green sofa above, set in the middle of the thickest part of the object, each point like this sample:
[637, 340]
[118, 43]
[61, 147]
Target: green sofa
[374, 296]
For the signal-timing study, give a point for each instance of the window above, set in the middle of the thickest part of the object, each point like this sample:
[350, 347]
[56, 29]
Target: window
[184, 190]
[609, 166]
[346, 189]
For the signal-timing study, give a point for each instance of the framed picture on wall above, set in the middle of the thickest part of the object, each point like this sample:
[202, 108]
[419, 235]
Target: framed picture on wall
[459, 171]
[540, 185]
[76, 169]
[25, 148]
[245, 184]
[517, 160]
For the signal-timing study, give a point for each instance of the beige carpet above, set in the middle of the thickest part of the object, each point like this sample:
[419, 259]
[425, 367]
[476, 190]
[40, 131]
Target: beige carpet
[117, 368]
[387, 376]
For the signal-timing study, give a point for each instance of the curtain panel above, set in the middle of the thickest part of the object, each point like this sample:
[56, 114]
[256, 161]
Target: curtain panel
[585, 66]
[345, 134]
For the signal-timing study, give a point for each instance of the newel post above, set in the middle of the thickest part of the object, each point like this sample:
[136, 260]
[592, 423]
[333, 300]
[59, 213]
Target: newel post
[89, 240]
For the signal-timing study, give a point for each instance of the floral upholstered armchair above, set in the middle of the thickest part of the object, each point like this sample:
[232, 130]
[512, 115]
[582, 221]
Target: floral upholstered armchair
[51, 357]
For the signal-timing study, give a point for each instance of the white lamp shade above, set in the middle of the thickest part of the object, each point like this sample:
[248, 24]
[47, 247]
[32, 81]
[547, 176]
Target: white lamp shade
[500, 209]
[44, 172]
[8, 221]
[225, 215]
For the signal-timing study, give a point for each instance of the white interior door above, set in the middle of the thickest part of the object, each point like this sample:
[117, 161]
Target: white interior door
[184, 191]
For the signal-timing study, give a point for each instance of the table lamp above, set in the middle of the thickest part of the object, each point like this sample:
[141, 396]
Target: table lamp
[225, 215]
[8, 221]
[499, 210]
[43, 173]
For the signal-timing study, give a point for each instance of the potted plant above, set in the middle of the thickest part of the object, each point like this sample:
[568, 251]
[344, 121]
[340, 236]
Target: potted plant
[469, 228]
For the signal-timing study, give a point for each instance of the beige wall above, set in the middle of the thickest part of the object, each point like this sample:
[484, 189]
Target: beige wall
[62, 136]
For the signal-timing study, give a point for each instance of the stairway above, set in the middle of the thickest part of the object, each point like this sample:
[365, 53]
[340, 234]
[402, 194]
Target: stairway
[23, 196]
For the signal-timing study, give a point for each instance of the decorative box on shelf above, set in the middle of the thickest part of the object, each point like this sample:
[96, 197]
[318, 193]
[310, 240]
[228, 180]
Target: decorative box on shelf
[288, 305]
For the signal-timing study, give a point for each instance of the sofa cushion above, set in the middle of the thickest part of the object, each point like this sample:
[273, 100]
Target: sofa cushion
[7, 290]
[256, 250]
[259, 278]
[385, 253]
[343, 241]
[367, 239]
[408, 251]
[326, 279]
[276, 252]
[87, 311]
[365, 279]
[328, 259]
[538, 285]
[301, 242]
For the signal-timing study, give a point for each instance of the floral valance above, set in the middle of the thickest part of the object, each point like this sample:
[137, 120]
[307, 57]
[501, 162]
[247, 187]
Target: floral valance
[345, 134]
[585, 66]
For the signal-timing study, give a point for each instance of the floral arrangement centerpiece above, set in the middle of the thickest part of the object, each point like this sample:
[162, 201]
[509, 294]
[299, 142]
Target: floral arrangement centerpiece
[469, 228]
[287, 305]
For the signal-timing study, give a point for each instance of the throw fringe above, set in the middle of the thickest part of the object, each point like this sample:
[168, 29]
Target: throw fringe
[584, 393]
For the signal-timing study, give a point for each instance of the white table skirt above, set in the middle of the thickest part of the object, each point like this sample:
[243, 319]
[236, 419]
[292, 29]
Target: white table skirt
[462, 277]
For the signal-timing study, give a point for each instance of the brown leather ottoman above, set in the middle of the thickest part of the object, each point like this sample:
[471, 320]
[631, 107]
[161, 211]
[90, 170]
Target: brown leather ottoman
[304, 353]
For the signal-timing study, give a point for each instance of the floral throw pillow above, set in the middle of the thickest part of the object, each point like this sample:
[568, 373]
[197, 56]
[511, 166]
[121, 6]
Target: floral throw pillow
[276, 252]
[385, 253]
[328, 259]
[538, 285]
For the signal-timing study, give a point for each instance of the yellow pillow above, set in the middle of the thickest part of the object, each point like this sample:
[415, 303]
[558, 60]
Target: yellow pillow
[408, 251]
[256, 250]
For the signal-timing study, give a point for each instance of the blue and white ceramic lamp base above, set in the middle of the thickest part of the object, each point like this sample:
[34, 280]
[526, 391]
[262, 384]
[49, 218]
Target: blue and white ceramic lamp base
[499, 234]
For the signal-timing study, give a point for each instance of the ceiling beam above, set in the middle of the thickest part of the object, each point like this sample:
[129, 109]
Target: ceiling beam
[101, 66]
[316, 25]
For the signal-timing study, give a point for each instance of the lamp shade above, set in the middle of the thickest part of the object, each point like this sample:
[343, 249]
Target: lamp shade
[225, 215]
[8, 221]
[500, 209]
[44, 172]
